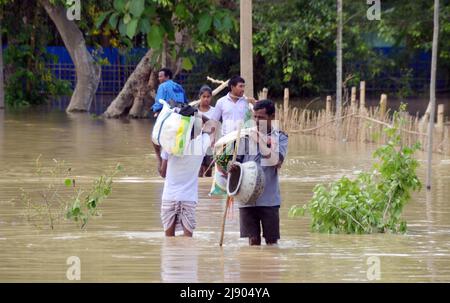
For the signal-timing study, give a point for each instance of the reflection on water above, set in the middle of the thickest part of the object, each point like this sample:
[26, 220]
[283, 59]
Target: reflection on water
[127, 243]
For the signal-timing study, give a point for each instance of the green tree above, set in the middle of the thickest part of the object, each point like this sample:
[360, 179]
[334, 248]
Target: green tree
[294, 43]
[174, 31]
[28, 80]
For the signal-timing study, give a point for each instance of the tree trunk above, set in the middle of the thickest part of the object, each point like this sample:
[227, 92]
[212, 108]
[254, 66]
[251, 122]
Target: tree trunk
[432, 104]
[131, 98]
[339, 69]
[87, 71]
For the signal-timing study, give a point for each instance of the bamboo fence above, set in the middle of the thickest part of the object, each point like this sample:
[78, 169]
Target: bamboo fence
[359, 123]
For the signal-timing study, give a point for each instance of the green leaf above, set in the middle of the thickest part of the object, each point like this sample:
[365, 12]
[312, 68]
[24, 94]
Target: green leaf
[181, 11]
[227, 23]
[137, 7]
[101, 19]
[119, 5]
[218, 23]
[131, 28]
[144, 26]
[113, 20]
[155, 37]
[126, 18]
[204, 23]
[122, 28]
[150, 11]
[68, 182]
[187, 64]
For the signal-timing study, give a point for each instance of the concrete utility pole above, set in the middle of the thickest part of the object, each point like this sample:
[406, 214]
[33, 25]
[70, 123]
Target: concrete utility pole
[246, 45]
[2, 87]
[339, 69]
[432, 91]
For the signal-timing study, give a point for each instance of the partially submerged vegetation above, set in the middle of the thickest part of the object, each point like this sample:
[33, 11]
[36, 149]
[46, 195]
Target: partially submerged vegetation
[62, 198]
[374, 201]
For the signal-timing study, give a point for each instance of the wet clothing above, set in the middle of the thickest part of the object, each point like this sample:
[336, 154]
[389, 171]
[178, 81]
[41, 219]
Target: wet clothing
[265, 212]
[181, 182]
[182, 213]
[251, 220]
[271, 193]
[180, 193]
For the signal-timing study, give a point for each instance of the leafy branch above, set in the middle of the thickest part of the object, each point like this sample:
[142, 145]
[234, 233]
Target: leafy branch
[374, 201]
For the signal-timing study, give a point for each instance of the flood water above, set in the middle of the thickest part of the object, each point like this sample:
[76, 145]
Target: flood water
[127, 244]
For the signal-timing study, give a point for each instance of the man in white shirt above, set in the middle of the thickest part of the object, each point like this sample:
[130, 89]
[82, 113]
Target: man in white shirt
[233, 108]
[180, 194]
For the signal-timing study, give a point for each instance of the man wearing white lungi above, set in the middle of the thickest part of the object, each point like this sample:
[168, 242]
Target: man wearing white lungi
[180, 194]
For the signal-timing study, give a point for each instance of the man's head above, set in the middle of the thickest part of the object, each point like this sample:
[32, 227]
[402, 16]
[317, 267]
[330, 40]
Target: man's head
[164, 74]
[237, 86]
[264, 113]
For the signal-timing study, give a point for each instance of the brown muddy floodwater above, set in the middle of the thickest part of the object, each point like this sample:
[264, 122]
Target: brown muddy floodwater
[127, 244]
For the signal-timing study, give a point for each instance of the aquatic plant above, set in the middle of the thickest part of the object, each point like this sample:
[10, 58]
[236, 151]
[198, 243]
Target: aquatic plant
[62, 198]
[374, 201]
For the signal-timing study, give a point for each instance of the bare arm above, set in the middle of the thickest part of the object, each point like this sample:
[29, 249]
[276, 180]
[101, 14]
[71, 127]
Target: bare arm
[162, 169]
[161, 163]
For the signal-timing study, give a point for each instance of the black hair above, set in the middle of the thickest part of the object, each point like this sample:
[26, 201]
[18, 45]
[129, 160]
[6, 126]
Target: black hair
[267, 104]
[234, 81]
[167, 72]
[204, 88]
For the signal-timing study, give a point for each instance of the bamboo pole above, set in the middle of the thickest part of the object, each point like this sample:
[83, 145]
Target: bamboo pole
[228, 202]
[328, 105]
[362, 96]
[353, 99]
[263, 94]
[286, 107]
[383, 106]
[440, 118]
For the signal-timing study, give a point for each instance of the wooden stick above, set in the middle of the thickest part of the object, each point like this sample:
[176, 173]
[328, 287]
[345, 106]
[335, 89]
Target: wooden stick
[263, 94]
[383, 105]
[285, 108]
[362, 96]
[353, 99]
[328, 105]
[228, 202]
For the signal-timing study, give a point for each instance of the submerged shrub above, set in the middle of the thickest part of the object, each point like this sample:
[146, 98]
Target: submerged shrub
[374, 201]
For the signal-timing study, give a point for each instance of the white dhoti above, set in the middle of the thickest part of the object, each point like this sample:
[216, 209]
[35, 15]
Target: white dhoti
[182, 211]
